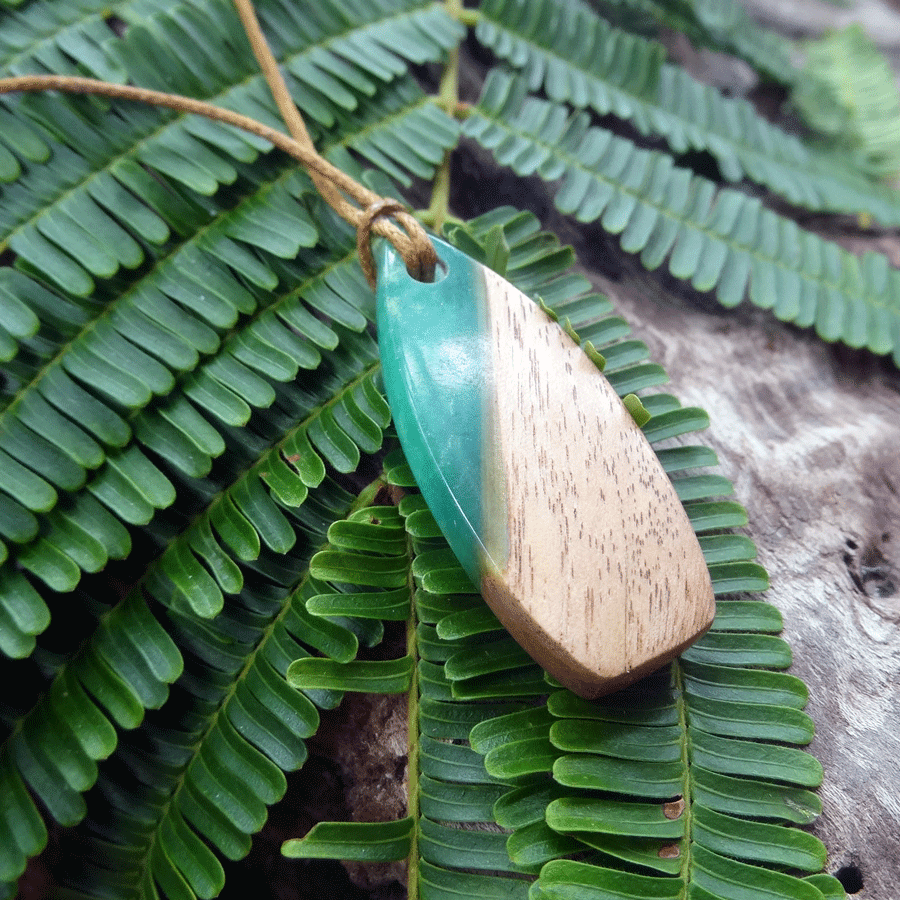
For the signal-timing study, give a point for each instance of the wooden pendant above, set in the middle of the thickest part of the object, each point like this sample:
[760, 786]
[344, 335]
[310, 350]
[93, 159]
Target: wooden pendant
[543, 485]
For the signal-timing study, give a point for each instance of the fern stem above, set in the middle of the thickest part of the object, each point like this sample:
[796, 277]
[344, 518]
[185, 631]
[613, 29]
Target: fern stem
[367, 495]
[686, 791]
[440, 195]
[412, 765]
[448, 98]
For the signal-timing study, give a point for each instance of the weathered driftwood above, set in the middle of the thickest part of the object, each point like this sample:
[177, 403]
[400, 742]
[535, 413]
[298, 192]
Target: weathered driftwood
[810, 435]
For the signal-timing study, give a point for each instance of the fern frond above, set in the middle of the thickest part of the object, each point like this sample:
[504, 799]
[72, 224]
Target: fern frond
[724, 25]
[57, 38]
[407, 134]
[248, 524]
[577, 58]
[200, 155]
[245, 522]
[54, 748]
[849, 95]
[721, 25]
[697, 733]
[719, 240]
[160, 344]
[234, 727]
[589, 793]
[167, 322]
[199, 564]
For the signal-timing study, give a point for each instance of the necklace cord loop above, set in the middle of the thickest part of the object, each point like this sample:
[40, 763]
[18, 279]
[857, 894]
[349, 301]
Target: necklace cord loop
[414, 246]
[423, 265]
[366, 211]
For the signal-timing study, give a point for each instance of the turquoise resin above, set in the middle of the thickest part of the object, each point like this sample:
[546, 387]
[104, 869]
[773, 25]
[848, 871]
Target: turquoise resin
[543, 484]
[436, 361]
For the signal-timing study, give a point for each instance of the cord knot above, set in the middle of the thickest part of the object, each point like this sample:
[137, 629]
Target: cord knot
[414, 245]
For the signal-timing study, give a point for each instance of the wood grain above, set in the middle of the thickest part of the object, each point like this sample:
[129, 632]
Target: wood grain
[604, 580]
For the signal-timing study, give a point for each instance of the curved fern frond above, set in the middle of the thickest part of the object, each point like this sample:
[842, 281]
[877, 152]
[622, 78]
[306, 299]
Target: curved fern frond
[206, 356]
[849, 95]
[723, 241]
[254, 523]
[234, 726]
[450, 787]
[254, 520]
[578, 58]
[721, 25]
[170, 320]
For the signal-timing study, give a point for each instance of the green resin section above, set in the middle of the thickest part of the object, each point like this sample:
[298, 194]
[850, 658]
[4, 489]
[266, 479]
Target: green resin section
[436, 358]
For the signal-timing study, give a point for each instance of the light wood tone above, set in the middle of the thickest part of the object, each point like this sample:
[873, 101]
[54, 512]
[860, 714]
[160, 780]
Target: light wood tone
[604, 579]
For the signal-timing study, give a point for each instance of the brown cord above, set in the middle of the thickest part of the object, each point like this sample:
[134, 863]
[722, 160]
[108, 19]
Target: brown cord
[309, 159]
[268, 65]
[422, 259]
[412, 242]
[375, 211]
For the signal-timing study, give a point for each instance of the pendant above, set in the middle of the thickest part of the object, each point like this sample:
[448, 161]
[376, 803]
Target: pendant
[544, 486]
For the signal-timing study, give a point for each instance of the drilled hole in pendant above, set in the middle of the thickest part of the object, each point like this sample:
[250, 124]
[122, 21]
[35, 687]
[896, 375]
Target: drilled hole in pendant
[441, 271]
